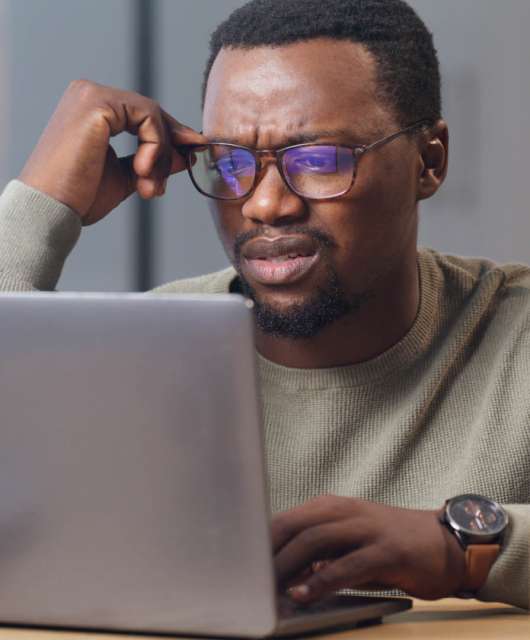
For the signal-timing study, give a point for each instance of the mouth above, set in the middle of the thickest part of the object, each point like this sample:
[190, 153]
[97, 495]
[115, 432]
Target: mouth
[279, 261]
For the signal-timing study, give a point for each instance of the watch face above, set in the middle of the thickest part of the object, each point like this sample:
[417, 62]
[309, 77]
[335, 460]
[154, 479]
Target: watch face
[477, 515]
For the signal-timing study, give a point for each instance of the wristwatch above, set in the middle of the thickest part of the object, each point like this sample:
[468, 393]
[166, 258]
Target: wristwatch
[478, 524]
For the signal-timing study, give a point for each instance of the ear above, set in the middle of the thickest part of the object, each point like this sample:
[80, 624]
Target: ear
[434, 154]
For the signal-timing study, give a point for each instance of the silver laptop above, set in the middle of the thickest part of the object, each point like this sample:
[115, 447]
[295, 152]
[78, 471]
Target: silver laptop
[132, 483]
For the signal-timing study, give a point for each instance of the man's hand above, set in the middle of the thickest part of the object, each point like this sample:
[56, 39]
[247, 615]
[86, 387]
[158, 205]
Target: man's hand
[74, 163]
[333, 543]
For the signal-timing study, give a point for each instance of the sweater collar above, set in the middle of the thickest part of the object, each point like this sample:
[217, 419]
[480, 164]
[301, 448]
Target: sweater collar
[412, 347]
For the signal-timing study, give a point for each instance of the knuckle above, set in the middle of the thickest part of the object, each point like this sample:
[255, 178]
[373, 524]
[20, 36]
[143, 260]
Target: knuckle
[323, 500]
[84, 88]
[367, 530]
[102, 116]
[92, 100]
[346, 505]
[339, 505]
[153, 110]
[155, 106]
[310, 537]
[316, 539]
[328, 577]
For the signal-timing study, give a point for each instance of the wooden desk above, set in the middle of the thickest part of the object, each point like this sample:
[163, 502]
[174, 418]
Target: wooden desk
[449, 619]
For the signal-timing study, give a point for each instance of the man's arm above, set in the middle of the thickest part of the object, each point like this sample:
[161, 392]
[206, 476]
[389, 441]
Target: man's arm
[509, 578]
[74, 178]
[356, 544]
[37, 234]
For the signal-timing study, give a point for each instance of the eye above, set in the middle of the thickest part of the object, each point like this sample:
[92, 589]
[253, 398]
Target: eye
[234, 164]
[314, 160]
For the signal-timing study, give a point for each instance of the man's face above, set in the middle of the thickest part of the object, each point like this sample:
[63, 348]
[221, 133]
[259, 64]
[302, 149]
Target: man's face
[321, 90]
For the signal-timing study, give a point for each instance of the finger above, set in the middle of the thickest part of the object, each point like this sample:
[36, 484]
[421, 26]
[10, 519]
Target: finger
[153, 165]
[164, 160]
[306, 573]
[178, 163]
[180, 133]
[157, 132]
[146, 188]
[153, 159]
[287, 524]
[296, 580]
[353, 571]
[146, 159]
[315, 544]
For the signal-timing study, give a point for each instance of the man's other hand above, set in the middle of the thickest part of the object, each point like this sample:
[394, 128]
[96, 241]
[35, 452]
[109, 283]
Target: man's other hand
[74, 163]
[332, 543]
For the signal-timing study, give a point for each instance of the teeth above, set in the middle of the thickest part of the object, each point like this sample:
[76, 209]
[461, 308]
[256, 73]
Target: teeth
[291, 256]
[284, 258]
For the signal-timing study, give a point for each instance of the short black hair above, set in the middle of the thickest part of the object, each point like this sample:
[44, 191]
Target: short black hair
[408, 74]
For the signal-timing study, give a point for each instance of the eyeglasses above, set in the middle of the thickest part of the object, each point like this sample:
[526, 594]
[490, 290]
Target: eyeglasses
[314, 171]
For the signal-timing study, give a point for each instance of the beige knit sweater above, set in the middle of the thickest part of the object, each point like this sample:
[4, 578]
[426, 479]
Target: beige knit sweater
[443, 412]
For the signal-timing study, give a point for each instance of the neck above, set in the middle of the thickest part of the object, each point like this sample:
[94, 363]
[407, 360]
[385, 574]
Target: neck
[381, 322]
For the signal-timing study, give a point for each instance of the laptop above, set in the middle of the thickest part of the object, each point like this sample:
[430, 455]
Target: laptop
[133, 491]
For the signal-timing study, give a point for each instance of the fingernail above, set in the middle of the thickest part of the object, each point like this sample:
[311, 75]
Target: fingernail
[300, 592]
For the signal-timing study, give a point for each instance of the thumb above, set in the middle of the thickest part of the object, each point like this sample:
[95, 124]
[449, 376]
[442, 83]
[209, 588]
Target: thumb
[178, 162]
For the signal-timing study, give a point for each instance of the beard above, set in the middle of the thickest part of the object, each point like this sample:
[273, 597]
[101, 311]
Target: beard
[304, 320]
[301, 320]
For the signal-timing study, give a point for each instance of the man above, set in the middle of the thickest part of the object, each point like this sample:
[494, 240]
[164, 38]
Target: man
[392, 379]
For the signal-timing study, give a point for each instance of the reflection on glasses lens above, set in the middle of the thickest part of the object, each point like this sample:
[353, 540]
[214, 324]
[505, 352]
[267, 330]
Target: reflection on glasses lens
[319, 171]
[313, 171]
[224, 172]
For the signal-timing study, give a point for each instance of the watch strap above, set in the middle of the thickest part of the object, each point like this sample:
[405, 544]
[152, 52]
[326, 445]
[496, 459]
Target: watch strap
[479, 560]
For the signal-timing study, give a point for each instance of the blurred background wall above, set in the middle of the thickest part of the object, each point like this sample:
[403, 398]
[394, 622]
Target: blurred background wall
[483, 209]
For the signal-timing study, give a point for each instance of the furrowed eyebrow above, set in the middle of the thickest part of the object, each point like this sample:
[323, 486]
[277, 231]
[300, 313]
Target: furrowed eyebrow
[302, 138]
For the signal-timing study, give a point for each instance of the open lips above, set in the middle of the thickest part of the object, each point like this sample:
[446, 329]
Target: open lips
[281, 260]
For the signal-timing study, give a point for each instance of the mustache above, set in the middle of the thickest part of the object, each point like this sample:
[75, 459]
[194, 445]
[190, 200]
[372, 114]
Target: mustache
[321, 238]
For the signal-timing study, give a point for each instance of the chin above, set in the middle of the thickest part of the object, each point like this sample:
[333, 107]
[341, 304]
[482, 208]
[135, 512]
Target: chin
[297, 315]
[281, 301]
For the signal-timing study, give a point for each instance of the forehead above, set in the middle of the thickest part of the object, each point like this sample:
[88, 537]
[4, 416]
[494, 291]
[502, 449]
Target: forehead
[264, 95]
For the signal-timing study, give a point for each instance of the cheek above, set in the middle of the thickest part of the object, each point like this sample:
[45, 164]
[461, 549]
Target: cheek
[384, 190]
[386, 196]
[227, 220]
[374, 221]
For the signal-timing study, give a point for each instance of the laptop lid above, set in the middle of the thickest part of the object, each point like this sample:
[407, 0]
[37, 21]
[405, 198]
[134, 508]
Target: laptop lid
[132, 491]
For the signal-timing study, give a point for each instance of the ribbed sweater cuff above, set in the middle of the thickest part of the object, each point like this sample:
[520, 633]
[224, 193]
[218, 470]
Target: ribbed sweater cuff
[509, 577]
[36, 235]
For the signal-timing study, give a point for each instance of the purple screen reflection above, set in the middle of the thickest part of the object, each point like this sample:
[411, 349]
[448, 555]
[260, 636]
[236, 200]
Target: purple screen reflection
[236, 169]
[319, 160]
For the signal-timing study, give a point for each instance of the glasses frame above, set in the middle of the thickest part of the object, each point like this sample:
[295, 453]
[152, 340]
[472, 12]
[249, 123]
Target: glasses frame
[358, 151]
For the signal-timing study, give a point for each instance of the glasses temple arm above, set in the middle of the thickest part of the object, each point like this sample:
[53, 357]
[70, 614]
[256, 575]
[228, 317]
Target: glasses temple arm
[393, 136]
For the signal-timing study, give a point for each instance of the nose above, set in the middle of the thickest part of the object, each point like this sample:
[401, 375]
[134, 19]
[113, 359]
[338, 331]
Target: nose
[272, 202]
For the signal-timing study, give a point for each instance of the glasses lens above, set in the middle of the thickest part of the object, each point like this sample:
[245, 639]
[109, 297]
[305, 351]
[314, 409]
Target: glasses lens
[222, 171]
[319, 171]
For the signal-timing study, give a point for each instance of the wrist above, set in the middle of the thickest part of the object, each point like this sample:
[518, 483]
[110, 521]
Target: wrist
[455, 559]
[42, 230]
[477, 525]
[48, 190]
